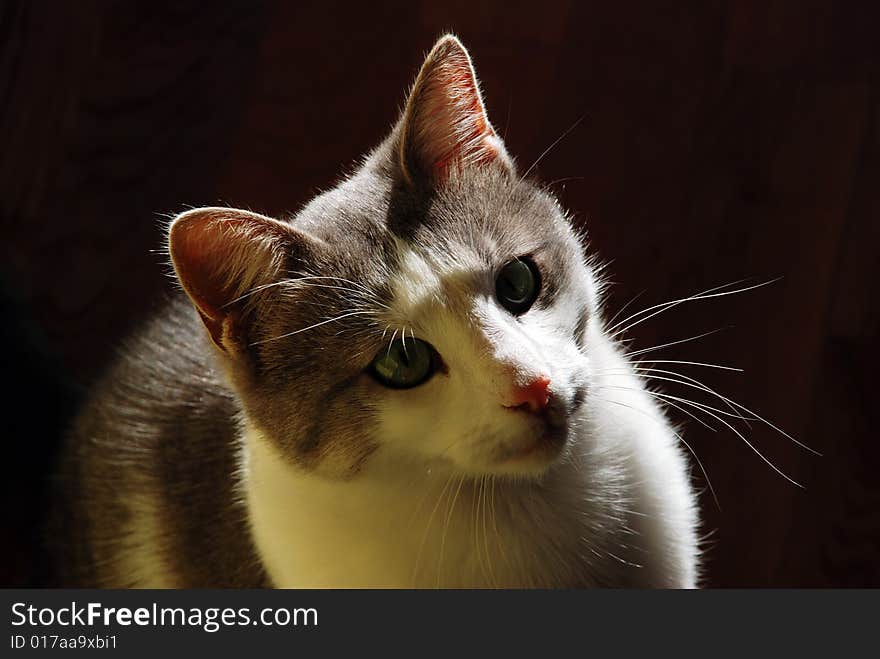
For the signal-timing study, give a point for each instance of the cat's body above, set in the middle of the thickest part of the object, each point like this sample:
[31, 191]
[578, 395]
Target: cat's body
[150, 507]
[284, 453]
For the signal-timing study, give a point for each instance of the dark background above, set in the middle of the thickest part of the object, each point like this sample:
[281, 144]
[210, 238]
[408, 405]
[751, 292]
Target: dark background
[719, 141]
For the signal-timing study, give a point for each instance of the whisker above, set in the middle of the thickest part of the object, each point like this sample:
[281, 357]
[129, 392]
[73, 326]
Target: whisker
[415, 512]
[706, 408]
[544, 153]
[660, 308]
[390, 343]
[498, 539]
[688, 413]
[254, 291]
[547, 186]
[623, 308]
[305, 276]
[690, 382]
[368, 298]
[403, 341]
[296, 281]
[313, 326]
[475, 526]
[484, 495]
[428, 525]
[704, 387]
[663, 400]
[679, 361]
[611, 327]
[753, 416]
[449, 513]
[643, 351]
[661, 394]
[669, 303]
[552, 146]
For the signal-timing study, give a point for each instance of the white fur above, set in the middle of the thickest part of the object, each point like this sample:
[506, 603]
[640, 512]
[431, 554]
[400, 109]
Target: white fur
[434, 507]
[401, 524]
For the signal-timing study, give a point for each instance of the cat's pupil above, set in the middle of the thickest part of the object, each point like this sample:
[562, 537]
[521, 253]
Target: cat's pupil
[518, 285]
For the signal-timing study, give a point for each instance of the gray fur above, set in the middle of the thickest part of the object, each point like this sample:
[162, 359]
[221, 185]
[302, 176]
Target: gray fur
[159, 424]
[165, 423]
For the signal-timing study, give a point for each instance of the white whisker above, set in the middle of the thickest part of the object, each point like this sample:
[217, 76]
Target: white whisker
[679, 361]
[449, 514]
[632, 316]
[551, 147]
[706, 408]
[254, 291]
[390, 343]
[732, 403]
[665, 306]
[624, 307]
[544, 153]
[313, 326]
[440, 497]
[692, 383]
[300, 276]
[643, 351]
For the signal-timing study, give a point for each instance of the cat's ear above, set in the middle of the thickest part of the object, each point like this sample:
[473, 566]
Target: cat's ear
[444, 124]
[221, 255]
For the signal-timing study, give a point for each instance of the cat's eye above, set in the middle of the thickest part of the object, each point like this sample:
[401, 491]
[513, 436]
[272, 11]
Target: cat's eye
[404, 364]
[518, 285]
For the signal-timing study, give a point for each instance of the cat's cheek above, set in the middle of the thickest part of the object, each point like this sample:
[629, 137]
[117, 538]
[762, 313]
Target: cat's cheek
[409, 420]
[439, 422]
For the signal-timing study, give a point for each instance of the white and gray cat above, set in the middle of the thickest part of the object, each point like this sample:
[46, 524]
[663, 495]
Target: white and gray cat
[408, 384]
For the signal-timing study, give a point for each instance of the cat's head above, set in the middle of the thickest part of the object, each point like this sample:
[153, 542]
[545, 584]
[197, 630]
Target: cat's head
[434, 306]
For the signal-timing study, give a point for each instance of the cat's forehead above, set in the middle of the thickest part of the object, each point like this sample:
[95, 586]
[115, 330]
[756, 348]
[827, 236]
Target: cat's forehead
[439, 249]
[425, 279]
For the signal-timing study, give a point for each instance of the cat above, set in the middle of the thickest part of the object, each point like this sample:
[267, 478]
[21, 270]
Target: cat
[410, 383]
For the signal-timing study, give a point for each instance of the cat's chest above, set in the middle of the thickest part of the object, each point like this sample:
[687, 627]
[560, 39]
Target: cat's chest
[312, 533]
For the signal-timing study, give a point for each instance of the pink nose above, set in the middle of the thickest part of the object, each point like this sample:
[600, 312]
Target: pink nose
[534, 395]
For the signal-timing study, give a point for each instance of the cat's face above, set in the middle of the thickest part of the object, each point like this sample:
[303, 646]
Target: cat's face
[433, 306]
[493, 281]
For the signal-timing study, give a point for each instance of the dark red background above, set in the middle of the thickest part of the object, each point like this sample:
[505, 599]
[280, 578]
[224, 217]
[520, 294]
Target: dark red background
[720, 140]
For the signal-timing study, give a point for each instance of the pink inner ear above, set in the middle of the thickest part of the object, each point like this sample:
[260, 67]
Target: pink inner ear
[445, 121]
[220, 254]
[206, 250]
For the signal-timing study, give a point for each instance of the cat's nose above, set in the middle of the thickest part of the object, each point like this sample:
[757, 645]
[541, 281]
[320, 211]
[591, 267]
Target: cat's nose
[534, 396]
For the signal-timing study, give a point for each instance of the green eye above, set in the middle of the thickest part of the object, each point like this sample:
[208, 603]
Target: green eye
[404, 365]
[517, 285]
